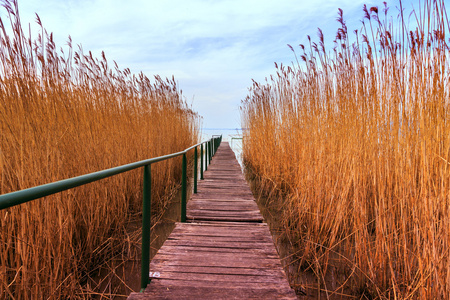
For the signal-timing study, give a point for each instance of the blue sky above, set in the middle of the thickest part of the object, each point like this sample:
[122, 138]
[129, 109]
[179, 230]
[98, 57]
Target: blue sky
[213, 48]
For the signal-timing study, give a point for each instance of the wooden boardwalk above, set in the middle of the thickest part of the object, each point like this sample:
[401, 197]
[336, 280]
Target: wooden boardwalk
[225, 251]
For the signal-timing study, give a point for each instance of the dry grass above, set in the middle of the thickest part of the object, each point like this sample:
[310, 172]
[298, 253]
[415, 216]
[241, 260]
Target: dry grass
[68, 114]
[356, 146]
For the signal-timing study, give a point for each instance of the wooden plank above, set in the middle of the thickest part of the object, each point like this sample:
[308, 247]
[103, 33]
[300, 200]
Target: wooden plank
[209, 283]
[229, 254]
[186, 249]
[226, 205]
[209, 251]
[221, 270]
[176, 289]
[223, 219]
[220, 213]
[222, 277]
[226, 236]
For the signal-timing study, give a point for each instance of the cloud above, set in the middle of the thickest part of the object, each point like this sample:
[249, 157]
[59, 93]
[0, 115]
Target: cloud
[213, 48]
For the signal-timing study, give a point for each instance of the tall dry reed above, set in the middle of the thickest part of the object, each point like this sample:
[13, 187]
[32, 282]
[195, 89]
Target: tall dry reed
[64, 114]
[355, 143]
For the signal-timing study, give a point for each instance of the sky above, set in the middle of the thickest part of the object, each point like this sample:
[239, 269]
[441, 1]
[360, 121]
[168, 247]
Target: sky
[214, 48]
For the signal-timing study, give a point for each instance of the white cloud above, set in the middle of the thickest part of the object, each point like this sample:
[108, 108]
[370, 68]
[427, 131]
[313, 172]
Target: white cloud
[214, 48]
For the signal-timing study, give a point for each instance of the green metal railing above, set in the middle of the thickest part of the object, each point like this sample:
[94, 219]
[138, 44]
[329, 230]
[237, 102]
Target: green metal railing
[26, 195]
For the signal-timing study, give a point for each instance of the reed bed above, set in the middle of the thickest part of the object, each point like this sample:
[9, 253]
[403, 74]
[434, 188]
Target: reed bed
[65, 113]
[354, 146]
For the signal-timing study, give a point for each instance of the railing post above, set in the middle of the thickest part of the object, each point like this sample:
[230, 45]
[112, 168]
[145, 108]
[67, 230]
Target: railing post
[201, 161]
[206, 156]
[195, 170]
[183, 190]
[210, 150]
[146, 219]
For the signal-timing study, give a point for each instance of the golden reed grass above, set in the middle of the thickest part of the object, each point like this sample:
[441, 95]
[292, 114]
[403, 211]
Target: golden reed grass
[68, 114]
[356, 145]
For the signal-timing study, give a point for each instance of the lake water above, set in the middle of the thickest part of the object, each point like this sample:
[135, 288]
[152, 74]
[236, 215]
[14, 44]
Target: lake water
[227, 133]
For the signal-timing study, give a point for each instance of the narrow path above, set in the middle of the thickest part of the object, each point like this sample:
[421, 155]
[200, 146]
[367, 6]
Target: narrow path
[225, 251]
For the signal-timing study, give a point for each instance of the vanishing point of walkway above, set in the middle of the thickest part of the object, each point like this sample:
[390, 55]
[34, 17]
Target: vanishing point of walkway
[225, 251]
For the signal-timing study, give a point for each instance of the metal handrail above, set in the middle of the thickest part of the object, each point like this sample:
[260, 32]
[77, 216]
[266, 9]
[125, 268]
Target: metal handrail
[211, 145]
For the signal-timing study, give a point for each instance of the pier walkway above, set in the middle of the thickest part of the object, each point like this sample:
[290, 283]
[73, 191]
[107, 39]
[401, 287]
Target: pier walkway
[225, 250]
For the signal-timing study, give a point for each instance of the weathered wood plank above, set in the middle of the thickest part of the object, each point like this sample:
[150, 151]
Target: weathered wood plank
[193, 282]
[187, 249]
[225, 252]
[222, 205]
[221, 270]
[223, 219]
[176, 289]
[223, 277]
